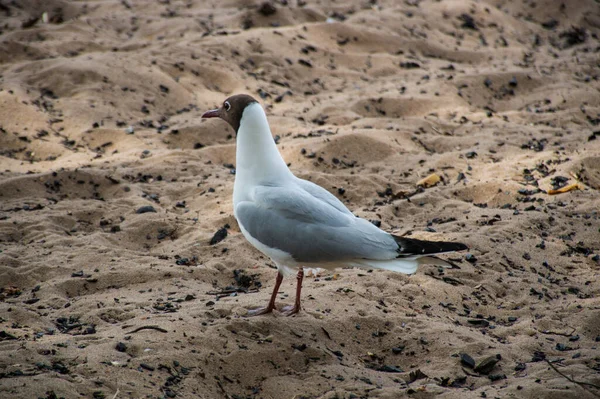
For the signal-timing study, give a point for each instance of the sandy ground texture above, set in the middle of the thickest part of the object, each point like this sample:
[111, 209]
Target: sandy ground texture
[123, 273]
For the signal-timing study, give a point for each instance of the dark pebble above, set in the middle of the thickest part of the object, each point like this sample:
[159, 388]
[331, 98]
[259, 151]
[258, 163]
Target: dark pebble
[147, 367]
[90, 330]
[397, 350]
[60, 368]
[267, 9]
[479, 322]
[219, 236]
[538, 356]
[409, 65]
[77, 274]
[300, 347]
[146, 209]
[562, 347]
[470, 258]
[520, 366]
[121, 347]
[550, 24]
[338, 353]
[390, 369]
[468, 22]
[467, 360]
[486, 365]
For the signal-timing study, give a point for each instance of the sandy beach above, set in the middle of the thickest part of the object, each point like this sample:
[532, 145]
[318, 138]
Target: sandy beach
[123, 272]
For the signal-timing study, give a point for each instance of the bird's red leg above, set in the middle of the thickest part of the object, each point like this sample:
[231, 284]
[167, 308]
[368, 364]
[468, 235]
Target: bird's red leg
[290, 310]
[271, 305]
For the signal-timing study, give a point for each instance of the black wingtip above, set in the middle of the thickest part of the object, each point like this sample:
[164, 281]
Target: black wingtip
[412, 246]
[461, 246]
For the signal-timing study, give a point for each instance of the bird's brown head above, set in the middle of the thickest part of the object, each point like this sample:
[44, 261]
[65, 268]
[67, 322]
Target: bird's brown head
[232, 110]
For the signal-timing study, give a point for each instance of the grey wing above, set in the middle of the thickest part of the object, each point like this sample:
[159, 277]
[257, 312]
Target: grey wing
[323, 195]
[310, 230]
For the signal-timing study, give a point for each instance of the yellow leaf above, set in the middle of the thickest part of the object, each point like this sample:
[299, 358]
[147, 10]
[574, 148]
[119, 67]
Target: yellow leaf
[430, 180]
[565, 189]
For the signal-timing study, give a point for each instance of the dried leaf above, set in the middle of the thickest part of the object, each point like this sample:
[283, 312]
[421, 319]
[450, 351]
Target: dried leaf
[429, 181]
[566, 189]
[416, 375]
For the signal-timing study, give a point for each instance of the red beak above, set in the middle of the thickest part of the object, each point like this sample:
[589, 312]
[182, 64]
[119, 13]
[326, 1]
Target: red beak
[213, 113]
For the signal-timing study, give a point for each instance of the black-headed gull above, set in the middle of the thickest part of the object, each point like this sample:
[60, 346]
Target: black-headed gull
[298, 223]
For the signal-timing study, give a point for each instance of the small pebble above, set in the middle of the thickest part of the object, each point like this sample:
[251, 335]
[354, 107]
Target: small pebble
[146, 209]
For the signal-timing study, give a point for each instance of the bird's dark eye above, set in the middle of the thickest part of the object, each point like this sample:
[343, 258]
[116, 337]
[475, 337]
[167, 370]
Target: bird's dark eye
[227, 106]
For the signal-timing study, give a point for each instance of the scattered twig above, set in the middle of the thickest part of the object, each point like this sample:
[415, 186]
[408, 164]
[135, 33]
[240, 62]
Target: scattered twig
[116, 393]
[425, 147]
[157, 328]
[469, 373]
[548, 332]
[227, 292]
[574, 381]
[445, 279]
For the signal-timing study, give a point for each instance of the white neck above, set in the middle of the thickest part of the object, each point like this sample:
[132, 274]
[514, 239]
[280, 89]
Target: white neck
[258, 160]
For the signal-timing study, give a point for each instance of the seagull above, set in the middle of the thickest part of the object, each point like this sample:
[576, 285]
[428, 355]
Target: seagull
[299, 224]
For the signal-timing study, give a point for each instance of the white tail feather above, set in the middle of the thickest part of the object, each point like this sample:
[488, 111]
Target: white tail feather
[406, 266]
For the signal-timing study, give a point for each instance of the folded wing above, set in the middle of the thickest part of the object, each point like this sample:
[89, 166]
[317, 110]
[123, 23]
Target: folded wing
[310, 229]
